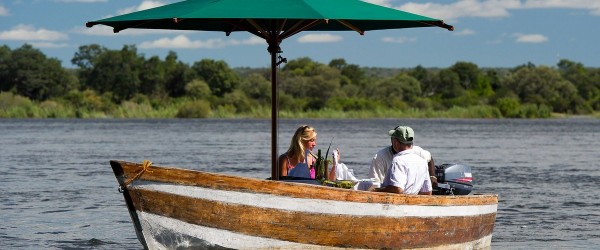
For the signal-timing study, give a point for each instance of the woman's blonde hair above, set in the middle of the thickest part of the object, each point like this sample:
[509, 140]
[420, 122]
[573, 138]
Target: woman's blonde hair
[296, 149]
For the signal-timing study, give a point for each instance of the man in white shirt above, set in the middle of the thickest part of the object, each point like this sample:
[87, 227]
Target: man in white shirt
[408, 172]
[383, 160]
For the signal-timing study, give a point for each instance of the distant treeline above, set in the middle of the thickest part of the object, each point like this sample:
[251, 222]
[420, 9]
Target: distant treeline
[123, 83]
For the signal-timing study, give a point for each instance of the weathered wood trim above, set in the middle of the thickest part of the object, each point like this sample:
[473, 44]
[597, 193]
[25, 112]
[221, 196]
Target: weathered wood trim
[317, 228]
[298, 190]
[311, 205]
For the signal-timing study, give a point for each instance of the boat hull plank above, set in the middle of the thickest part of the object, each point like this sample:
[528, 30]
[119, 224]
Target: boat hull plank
[320, 228]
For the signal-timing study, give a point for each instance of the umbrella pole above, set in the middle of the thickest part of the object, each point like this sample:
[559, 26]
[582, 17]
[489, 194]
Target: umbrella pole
[274, 49]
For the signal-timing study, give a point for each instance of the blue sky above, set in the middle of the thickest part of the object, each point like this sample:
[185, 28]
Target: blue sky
[489, 33]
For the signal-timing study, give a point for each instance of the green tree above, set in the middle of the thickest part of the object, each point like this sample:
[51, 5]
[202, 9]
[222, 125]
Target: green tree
[450, 84]
[33, 75]
[220, 78]
[352, 71]
[152, 76]
[85, 58]
[587, 87]
[467, 73]
[117, 72]
[430, 81]
[509, 107]
[239, 100]
[397, 91]
[594, 99]
[5, 78]
[323, 85]
[198, 89]
[544, 86]
[177, 74]
[300, 67]
[257, 87]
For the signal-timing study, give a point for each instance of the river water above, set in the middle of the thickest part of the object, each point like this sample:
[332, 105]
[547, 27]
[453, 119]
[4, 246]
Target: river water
[58, 191]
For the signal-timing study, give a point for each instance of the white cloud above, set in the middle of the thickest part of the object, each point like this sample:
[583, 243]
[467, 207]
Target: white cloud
[385, 3]
[29, 33]
[401, 39]
[142, 6]
[593, 6]
[320, 38]
[492, 8]
[49, 45]
[530, 38]
[462, 8]
[3, 11]
[183, 42]
[464, 32]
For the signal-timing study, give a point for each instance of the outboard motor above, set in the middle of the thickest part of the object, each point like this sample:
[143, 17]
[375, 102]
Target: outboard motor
[453, 179]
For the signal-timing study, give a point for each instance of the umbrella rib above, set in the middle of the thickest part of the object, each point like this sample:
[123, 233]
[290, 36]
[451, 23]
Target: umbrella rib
[260, 29]
[118, 29]
[296, 29]
[352, 27]
[243, 27]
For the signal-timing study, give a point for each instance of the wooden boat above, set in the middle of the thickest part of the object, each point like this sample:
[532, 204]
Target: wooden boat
[179, 208]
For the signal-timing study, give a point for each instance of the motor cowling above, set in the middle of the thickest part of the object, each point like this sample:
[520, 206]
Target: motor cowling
[453, 179]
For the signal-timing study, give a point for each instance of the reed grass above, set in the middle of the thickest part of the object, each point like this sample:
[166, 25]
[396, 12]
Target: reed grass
[14, 106]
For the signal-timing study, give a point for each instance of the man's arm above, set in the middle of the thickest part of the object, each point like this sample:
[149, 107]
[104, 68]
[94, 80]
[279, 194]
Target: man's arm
[432, 176]
[390, 189]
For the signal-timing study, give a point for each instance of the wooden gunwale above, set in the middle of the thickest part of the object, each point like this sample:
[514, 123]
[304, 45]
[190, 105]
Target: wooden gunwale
[296, 190]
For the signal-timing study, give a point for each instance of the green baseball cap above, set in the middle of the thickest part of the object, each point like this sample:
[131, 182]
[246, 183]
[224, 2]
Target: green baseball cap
[403, 133]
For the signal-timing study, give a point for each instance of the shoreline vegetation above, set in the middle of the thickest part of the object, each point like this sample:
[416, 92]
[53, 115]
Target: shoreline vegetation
[124, 84]
[22, 107]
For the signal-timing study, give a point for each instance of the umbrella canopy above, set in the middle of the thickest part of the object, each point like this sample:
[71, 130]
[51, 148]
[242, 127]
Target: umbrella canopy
[274, 21]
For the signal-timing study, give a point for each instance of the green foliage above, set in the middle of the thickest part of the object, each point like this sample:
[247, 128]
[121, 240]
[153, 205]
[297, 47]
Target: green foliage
[117, 72]
[351, 104]
[509, 107]
[198, 89]
[177, 74]
[535, 111]
[237, 102]
[300, 67]
[88, 101]
[258, 88]
[15, 106]
[194, 109]
[29, 73]
[544, 86]
[352, 72]
[220, 78]
[399, 89]
[124, 84]
[480, 111]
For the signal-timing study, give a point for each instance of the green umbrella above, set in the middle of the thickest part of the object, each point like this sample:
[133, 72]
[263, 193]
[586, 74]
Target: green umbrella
[274, 21]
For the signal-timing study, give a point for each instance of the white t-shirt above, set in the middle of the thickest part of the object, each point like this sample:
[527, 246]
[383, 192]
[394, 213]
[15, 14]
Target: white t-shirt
[383, 160]
[409, 172]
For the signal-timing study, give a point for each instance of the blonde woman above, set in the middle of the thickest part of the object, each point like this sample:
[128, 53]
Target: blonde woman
[298, 160]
